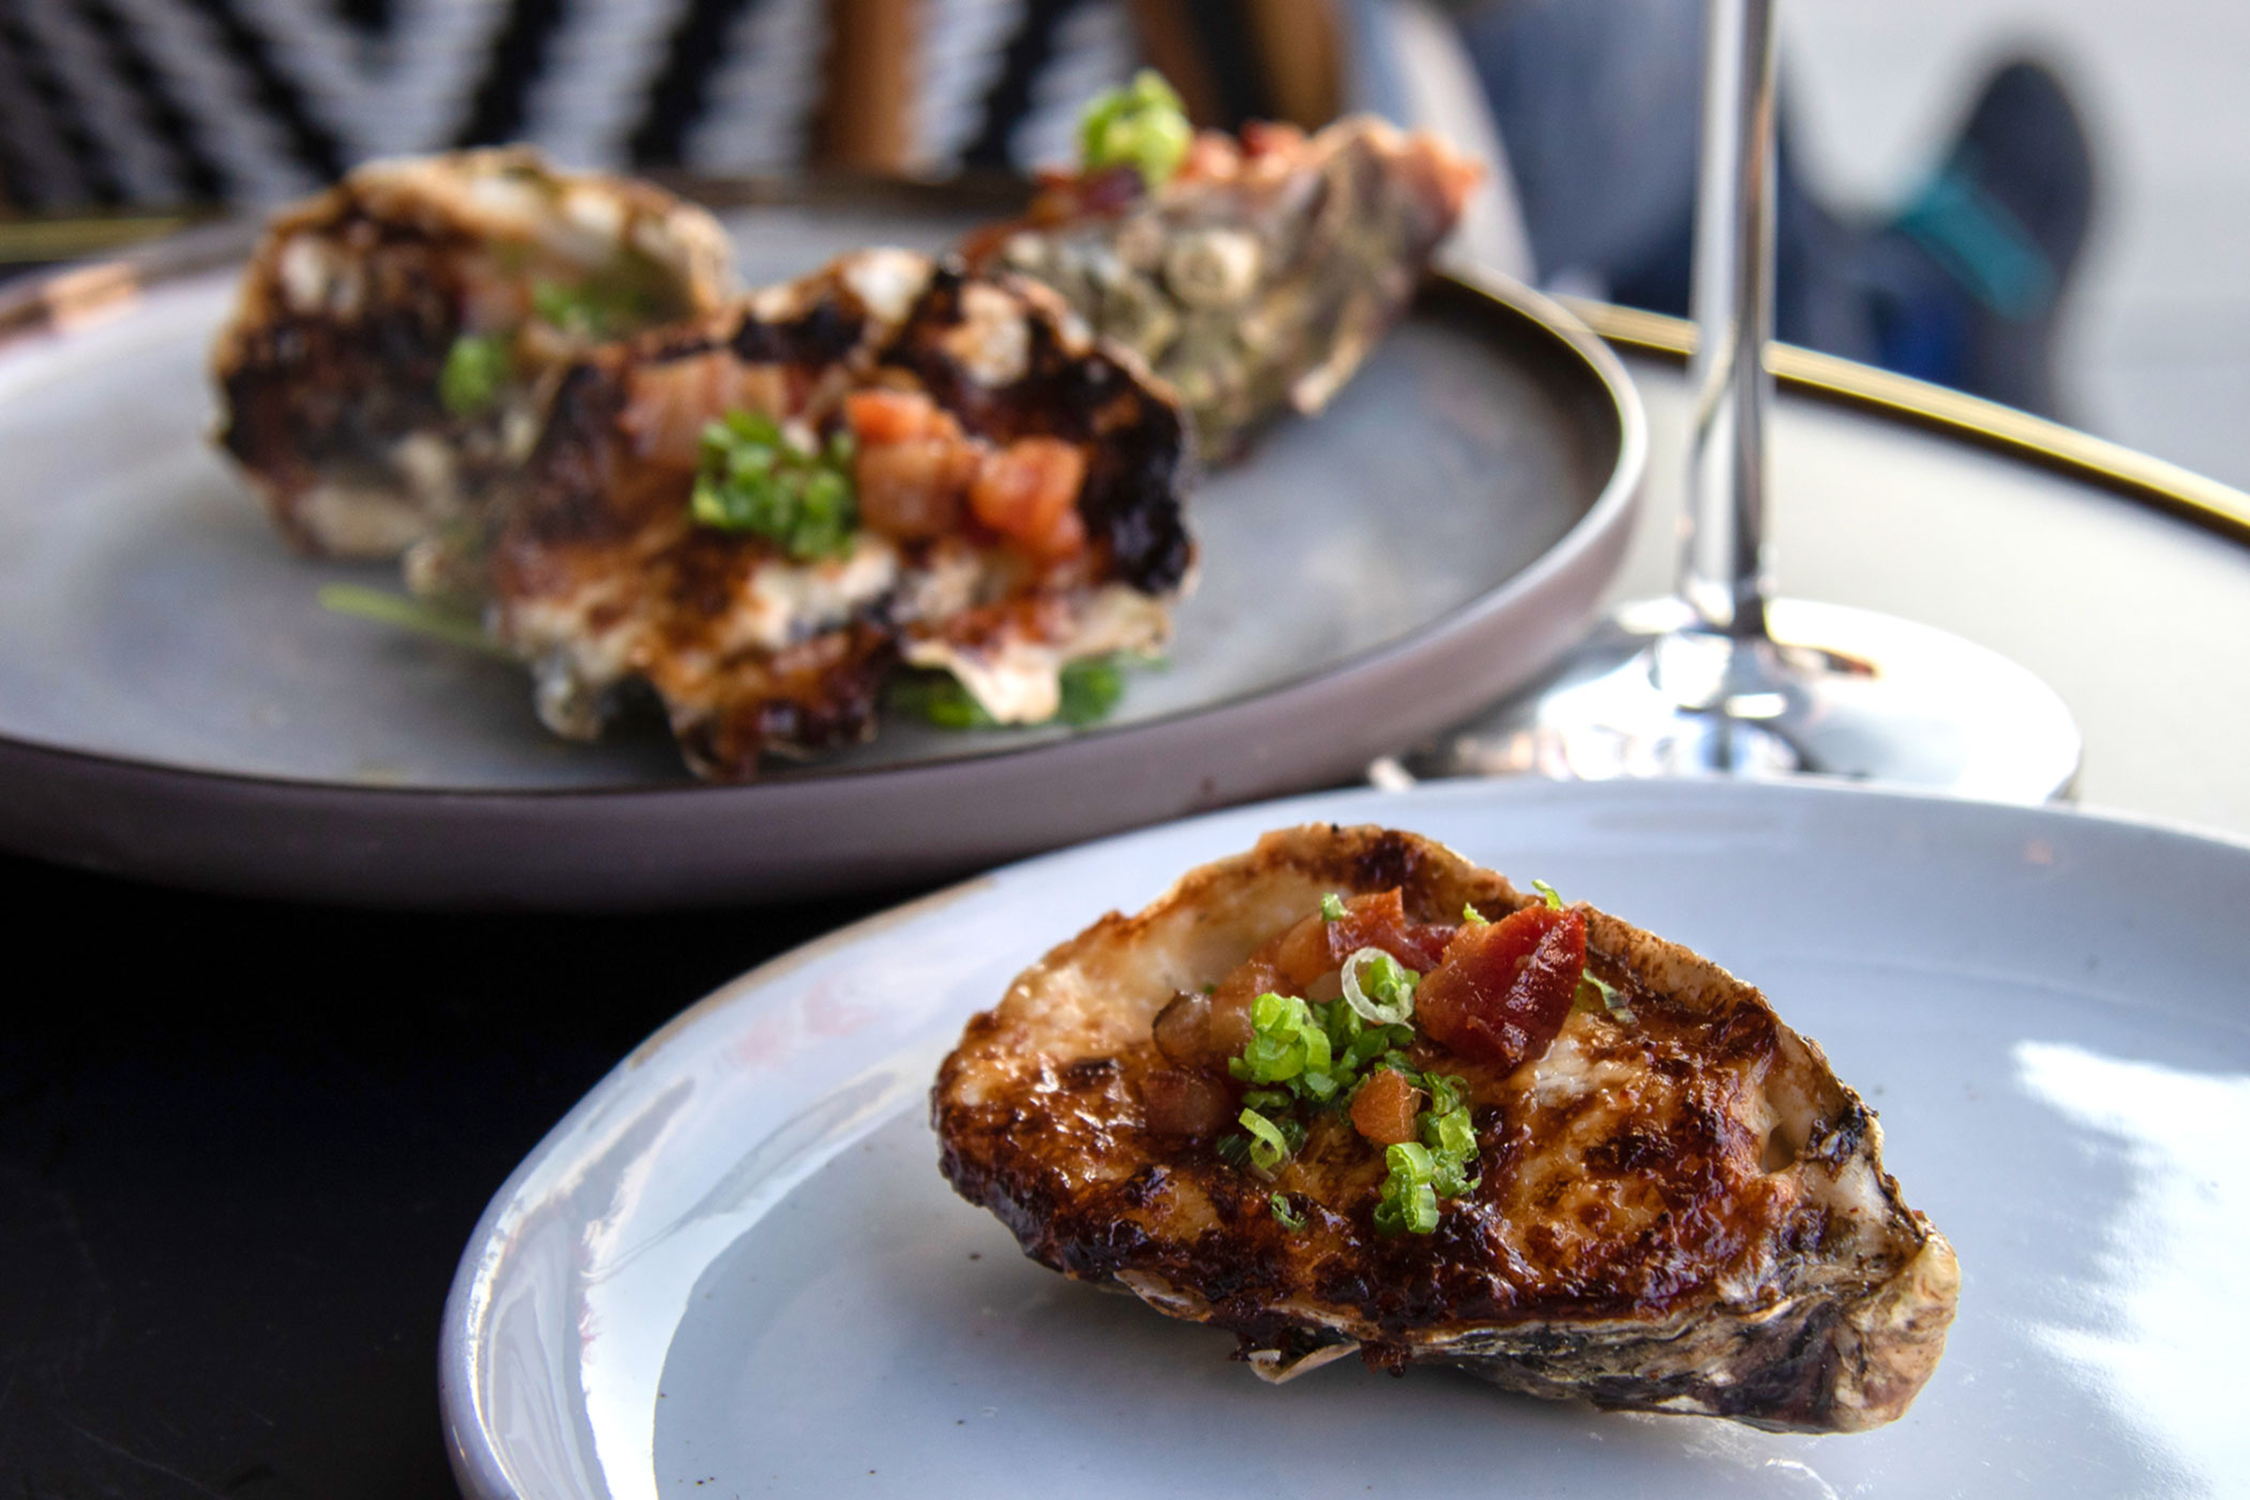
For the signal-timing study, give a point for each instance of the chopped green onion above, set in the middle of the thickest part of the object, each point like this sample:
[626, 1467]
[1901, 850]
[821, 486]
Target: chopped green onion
[1142, 125]
[1448, 1134]
[1285, 1042]
[1091, 687]
[629, 292]
[1409, 1201]
[1379, 987]
[1596, 994]
[1554, 898]
[476, 367]
[754, 478]
[1332, 907]
[1269, 1148]
[1471, 917]
[939, 698]
[1287, 1215]
[568, 308]
[411, 614]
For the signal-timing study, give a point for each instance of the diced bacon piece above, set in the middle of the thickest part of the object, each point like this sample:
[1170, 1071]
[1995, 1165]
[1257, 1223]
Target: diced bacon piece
[914, 489]
[1212, 157]
[1184, 1103]
[670, 402]
[896, 417]
[1505, 988]
[1271, 137]
[1028, 492]
[1385, 1108]
[1317, 946]
[1183, 1030]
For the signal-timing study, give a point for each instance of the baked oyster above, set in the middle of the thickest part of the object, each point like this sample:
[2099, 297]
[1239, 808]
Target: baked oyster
[762, 513]
[1254, 274]
[396, 336]
[1348, 1092]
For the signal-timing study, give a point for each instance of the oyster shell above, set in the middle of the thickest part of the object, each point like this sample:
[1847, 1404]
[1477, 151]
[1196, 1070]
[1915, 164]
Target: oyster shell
[1680, 1207]
[332, 365]
[601, 576]
[1261, 276]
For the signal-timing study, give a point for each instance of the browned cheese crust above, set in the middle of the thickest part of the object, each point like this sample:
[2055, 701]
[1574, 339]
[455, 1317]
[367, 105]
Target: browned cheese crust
[601, 577]
[329, 369]
[1260, 277]
[1683, 1212]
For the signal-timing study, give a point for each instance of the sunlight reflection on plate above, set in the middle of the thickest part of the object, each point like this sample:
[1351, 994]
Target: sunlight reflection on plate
[2171, 1310]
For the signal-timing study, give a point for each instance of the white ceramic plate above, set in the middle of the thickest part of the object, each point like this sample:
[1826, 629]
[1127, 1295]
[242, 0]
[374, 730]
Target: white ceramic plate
[734, 1265]
[175, 703]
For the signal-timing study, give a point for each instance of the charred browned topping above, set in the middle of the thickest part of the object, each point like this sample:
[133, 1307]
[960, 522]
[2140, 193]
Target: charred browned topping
[354, 300]
[1138, 440]
[575, 461]
[603, 513]
[1650, 1207]
[1260, 275]
[305, 392]
[824, 335]
[1643, 1171]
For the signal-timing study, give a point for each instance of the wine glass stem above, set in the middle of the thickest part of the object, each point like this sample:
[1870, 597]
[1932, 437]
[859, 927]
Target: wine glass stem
[1724, 558]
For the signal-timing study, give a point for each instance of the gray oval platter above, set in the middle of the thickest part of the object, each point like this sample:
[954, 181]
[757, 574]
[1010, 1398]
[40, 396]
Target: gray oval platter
[174, 703]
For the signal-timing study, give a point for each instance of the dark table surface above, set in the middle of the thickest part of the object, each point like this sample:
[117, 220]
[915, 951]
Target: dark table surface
[242, 1144]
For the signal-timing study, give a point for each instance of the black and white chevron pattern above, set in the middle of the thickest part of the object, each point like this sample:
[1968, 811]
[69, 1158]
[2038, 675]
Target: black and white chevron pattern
[106, 102]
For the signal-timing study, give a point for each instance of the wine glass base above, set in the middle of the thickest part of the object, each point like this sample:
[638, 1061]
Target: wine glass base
[1837, 692]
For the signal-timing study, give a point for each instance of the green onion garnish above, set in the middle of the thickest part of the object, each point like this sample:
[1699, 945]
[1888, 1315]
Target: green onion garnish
[1142, 125]
[1284, 1212]
[1332, 908]
[476, 368]
[1379, 988]
[1285, 1042]
[1554, 898]
[1091, 687]
[1269, 1148]
[1471, 917]
[1449, 1135]
[939, 698]
[628, 293]
[1409, 1201]
[753, 478]
[412, 614]
[1596, 995]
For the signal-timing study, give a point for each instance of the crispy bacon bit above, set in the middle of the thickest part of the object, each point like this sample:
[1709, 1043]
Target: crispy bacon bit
[914, 489]
[1316, 946]
[1271, 138]
[1212, 158]
[914, 467]
[897, 417]
[1385, 1109]
[1297, 961]
[1183, 1030]
[1028, 492]
[1505, 987]
[1184, 1103]
[670, 402]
